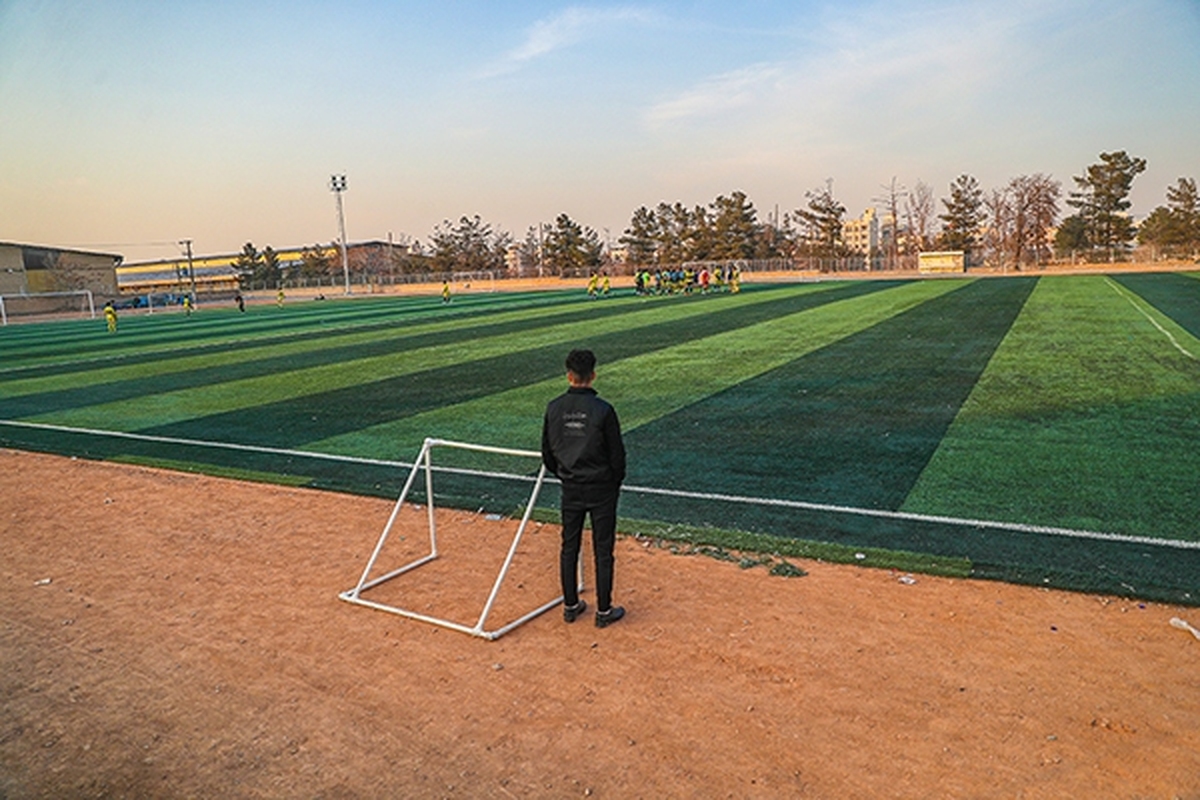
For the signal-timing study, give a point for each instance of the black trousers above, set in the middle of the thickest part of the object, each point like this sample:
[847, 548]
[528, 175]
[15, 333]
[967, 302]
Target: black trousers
[600, 502]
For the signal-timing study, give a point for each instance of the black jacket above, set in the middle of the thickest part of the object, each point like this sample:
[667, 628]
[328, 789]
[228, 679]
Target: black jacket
[581, 439]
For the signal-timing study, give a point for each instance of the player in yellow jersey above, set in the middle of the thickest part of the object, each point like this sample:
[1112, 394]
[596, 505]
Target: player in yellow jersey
[605, 286]
[445, 291]
[592, 283]
[279, 298]
[110, 316]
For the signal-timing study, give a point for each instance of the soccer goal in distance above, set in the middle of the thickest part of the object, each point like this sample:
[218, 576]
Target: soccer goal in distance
[424, 463]
[32, 304]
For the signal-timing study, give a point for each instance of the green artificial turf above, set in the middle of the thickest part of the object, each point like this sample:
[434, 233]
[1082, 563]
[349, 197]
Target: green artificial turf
[1054, 401]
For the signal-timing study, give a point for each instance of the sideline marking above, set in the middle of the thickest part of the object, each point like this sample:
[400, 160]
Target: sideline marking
[650, 490]
[1146, 314]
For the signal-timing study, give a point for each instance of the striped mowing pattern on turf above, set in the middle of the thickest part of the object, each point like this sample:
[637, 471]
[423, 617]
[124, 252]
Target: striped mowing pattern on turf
[1048, 401]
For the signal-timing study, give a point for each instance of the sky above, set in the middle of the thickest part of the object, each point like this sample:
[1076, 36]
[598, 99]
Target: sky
[128, 126]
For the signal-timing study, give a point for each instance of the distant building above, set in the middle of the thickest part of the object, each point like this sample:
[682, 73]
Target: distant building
[861, 235]
[34, 269]
[218, 273]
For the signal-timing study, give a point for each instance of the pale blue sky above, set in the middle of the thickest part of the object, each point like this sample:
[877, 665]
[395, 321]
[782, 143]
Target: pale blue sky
[125, 124]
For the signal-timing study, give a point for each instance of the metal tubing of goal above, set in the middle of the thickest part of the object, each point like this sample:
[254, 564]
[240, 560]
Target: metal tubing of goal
[427, 452]
[424, 461]
[3, 313]
[387, 529]
[512, 550]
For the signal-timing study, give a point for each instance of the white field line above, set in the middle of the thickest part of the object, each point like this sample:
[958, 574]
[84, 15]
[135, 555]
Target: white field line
[1146, 314]
[648, 490]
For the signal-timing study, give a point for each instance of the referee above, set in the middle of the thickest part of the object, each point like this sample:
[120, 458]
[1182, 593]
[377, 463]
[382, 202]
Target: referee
[581, 444]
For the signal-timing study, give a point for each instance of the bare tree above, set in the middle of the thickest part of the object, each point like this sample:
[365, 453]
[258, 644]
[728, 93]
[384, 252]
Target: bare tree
[999, 230]
[894, 194]
[1031, 205]
[918, 215]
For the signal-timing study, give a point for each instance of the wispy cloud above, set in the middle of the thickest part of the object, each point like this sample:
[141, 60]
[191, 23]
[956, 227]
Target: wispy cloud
[731, 90]
[858, 65]
[566, 28]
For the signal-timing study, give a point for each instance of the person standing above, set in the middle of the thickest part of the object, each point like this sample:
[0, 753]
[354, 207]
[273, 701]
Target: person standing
[581, 445]
[110, 316]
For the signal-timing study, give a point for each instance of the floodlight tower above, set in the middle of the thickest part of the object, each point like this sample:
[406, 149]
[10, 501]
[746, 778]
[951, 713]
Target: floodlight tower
[337, 184]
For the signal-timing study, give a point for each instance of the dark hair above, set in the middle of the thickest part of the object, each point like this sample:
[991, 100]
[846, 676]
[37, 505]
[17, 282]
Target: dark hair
[581, 363]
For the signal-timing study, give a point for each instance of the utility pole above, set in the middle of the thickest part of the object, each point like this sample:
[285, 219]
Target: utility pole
[337, 184]
[191, 272]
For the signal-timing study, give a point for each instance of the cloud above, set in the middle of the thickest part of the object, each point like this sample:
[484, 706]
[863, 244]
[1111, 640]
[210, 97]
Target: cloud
[855, 66]
[731, 90]
[561, 30]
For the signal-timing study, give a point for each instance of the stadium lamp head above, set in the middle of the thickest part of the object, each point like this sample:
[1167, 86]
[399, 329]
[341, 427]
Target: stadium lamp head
[337, 183]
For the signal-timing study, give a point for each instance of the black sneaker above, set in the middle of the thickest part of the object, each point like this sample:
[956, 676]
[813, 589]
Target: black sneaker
[572, 613]
[606, 618]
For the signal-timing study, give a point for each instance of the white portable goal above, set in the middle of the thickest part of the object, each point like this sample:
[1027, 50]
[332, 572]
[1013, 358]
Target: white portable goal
[424, 463]
[30, 304]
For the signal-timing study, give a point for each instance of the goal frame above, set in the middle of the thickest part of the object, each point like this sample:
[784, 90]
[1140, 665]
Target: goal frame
[424, 462]
[86, 293]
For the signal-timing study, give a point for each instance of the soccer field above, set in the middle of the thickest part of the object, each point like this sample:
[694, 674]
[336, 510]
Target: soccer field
[1040, 430]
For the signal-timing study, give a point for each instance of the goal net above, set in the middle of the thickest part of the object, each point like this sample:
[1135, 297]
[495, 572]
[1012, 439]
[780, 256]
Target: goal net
[36, 304]
[425, 468]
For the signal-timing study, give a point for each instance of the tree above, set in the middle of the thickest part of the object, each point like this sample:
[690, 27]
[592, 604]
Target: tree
[1033, 200]
[735, 231]
[247, 265]
[641, 237]
[964, 214]
[822, 221]
[1072, 236]
[468, 246]
[1175, 228]
[674, 233]
[893, 195]
[570, 247]
[1103, 199]
[998, 234]
[918, 216]
[316, 262]
[268, 273]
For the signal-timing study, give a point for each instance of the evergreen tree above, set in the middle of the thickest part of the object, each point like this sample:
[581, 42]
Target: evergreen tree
[1103, 199]
[316, 262]
[572, 248]
[1175, 227]
[822, 222]
[964, 214]
[247, 265]
[641, 237]
[735, 231]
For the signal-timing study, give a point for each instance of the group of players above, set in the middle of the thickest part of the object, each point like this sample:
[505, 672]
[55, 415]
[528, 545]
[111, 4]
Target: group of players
[682, 280]
[685, 280]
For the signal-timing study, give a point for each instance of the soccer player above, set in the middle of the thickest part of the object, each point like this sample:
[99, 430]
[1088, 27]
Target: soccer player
[279, 298]
[187, 304]
[110, 316]
[581, 444]
[592, 283]
[605, 286]
[445, 292]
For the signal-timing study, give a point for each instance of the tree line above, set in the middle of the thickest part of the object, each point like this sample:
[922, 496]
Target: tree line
[1014, 225]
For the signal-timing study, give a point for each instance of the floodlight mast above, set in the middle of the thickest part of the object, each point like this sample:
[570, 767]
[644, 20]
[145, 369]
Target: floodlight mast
[337, 184]
[187, 243]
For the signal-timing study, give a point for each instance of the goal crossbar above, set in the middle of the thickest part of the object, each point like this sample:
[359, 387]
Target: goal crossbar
[424, 463]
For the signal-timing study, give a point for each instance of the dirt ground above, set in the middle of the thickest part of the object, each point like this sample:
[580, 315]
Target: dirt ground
[173, 635]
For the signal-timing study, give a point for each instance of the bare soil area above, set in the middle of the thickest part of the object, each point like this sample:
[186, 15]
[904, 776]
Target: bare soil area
[174, 635]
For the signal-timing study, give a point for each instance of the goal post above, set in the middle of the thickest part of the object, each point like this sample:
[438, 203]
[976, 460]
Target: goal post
[424, 464]
[45, 303]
